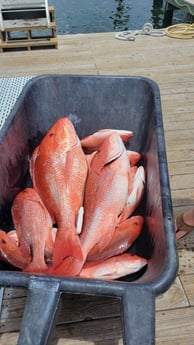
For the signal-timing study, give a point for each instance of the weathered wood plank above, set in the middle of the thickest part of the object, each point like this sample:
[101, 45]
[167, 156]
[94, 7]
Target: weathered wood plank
[178, 123]
[11, 314]
[31, 28]
[186, 255]
[188, 283]
[13, 293]
[183, 181]
[175, 297]
[23, 3]
[179, 168]
[124, 61]
[20, 24]
[73, 308]
[173, 327]
[29, 43]
[182, 197]
[77, 308]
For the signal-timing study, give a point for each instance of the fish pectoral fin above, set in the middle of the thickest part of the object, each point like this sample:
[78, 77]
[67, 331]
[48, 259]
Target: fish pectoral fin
[79, 220]
[111, 149]
[24, 247]
[48, 251]
[135, 196]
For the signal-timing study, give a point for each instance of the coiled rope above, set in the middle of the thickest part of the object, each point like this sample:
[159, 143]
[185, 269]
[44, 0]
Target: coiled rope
[183, 31]
[147, 29]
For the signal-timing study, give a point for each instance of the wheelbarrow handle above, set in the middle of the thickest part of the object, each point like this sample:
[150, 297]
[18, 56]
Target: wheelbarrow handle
[40, 312]
[138, 317]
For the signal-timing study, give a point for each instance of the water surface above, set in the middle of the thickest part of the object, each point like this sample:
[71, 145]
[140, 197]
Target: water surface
[90, 16]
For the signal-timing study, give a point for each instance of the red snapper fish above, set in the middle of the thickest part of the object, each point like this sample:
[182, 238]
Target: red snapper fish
[10, 252]
[33, 225]
[106, 194]
[59, 175]
[114, 267]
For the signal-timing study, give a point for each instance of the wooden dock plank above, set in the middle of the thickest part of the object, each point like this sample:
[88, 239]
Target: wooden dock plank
[29, 43]
[186, 259]
[173, 327]
[188, 283]
[175, 297]
[75, 308]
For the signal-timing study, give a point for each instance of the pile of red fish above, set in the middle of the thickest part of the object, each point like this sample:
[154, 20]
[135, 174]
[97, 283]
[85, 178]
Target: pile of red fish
[77, 219]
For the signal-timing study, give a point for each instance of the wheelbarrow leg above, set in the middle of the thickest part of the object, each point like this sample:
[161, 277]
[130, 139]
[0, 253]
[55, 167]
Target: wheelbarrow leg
[138, 317]
[40, 311]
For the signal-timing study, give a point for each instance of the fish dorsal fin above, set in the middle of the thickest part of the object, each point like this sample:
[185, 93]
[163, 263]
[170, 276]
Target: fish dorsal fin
[112, 148]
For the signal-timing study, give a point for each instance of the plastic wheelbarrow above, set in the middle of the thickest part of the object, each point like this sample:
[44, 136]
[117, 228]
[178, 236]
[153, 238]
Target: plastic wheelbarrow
[93, 103]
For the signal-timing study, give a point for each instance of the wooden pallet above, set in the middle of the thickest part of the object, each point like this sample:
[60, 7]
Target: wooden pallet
[29, 45]
[29, 37]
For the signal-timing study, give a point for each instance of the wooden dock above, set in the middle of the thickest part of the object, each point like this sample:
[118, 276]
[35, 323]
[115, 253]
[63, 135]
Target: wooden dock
[169, 62]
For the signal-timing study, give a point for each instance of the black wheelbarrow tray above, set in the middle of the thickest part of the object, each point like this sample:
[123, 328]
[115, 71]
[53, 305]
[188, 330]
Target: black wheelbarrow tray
[93, 103]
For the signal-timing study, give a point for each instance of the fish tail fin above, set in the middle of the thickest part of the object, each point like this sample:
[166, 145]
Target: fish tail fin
[70, 267]
[66, 245]
[35, 267]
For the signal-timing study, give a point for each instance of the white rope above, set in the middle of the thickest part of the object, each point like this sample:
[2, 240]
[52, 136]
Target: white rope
[147, 29]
